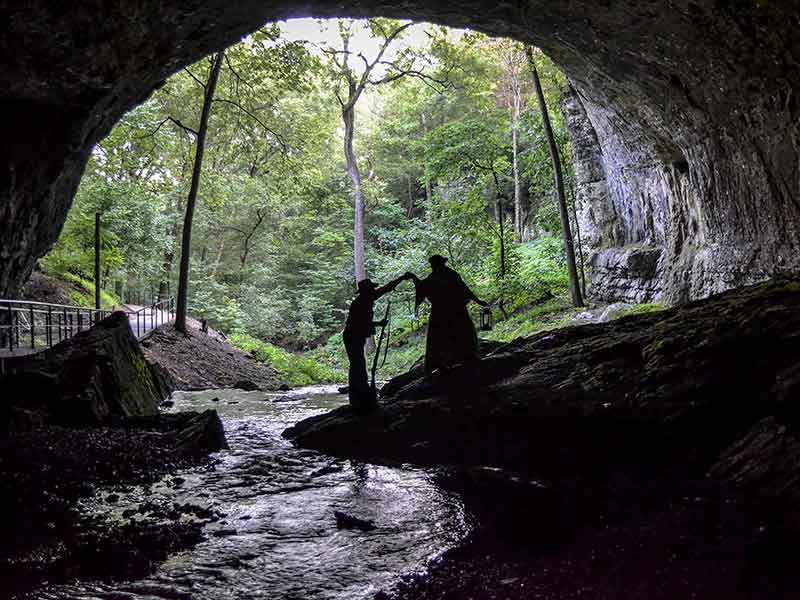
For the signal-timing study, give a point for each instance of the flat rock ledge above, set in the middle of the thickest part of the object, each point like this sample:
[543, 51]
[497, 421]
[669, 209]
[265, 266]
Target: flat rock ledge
[708, 388]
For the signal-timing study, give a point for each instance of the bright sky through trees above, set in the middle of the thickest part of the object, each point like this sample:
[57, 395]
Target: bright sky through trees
[325, 32]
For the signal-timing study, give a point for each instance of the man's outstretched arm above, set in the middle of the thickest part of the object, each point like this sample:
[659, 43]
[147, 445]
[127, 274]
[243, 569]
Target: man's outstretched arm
[389, 287]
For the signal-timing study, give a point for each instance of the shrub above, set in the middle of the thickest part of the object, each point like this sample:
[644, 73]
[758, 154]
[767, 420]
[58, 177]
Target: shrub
[297, 370]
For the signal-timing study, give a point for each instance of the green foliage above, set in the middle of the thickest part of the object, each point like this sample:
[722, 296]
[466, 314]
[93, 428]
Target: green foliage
[82, 292]
[273, 232]
[295, 369]
[548, 315]
[637, 309]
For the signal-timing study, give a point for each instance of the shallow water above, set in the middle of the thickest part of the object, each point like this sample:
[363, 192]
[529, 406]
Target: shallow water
[277, 537]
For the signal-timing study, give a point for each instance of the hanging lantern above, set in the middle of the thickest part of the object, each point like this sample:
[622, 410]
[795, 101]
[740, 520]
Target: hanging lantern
[486, 318]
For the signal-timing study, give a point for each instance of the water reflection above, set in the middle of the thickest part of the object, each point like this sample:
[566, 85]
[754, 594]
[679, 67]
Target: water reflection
[277, 537]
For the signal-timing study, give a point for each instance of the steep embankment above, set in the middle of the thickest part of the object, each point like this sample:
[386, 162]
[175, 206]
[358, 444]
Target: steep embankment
[64, 288]
[651, 457]
[196, 361]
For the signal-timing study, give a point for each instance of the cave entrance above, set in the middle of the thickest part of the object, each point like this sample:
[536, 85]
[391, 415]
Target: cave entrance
[447, 141]
[693, 109]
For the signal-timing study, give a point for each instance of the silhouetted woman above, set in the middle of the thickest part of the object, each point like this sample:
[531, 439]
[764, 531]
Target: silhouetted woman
[451, 335]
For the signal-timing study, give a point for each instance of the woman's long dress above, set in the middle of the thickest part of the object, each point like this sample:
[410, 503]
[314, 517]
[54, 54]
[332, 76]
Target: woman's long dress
[451, 334]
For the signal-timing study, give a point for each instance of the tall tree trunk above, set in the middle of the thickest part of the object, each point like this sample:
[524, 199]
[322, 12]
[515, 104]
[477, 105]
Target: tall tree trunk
[349, 118]
[191, 200]
[574, 285]
[577, 234]
[428, 187]
[515, 162]
[166, 265]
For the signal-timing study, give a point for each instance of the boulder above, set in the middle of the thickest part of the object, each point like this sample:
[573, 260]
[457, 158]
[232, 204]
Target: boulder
[201, 433]
[191, 433]
[246, 385]
[674, 387]
[96, 376]
[345, 521]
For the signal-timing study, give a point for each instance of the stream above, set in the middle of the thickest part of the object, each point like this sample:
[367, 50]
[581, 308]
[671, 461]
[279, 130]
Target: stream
[277, 536]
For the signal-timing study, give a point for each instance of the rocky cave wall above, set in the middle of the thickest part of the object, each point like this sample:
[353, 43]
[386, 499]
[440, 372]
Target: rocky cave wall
[693, 105]
[697, 192]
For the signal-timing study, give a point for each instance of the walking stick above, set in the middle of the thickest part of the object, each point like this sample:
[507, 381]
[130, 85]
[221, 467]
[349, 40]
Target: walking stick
[388, 337]
[380, 341]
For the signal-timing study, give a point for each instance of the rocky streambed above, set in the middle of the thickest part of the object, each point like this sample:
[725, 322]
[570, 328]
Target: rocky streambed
[263, 514]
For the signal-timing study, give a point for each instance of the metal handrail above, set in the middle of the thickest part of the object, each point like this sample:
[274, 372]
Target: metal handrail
[158, 310]
[69, 306]
[20, 320]
[28, 326]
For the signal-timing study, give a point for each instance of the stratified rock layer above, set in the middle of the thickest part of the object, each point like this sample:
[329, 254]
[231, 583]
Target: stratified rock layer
[639, 394]
[694, 105]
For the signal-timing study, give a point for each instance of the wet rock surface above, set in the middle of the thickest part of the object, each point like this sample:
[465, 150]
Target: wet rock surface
[651, 457]
[43, 474]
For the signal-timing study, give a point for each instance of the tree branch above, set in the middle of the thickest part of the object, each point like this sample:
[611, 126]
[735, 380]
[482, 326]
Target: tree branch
[152, 133]
[250, 114]
[186, 128]
[192, 75]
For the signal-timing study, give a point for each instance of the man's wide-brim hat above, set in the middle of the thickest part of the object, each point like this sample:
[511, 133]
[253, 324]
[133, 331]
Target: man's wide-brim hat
[437, 259]
[365, 285]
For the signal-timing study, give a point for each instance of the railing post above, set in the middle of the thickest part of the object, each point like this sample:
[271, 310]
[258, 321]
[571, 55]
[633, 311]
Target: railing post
[33, 327]
[137, 323]
[80, 321]
[49, 325]
[16, 315]
[10, 328]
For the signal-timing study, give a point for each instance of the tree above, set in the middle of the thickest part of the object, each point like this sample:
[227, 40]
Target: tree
[191, 200]
[513, 59]
[569, 248]
[474, 148]
[344, 74]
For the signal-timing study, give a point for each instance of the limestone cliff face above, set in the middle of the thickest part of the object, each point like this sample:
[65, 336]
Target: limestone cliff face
[693, 103]
[679, 216]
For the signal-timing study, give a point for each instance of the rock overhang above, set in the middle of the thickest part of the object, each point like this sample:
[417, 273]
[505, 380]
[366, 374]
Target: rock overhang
[692, 104]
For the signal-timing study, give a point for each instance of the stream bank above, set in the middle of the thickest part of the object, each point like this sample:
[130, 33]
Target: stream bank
[268, 515]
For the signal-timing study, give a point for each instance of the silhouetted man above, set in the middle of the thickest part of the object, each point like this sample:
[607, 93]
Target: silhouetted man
[451, 335]
[358, 328]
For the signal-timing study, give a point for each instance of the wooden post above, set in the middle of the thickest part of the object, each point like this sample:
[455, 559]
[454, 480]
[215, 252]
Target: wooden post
[97, 260]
